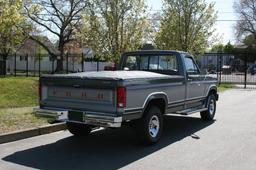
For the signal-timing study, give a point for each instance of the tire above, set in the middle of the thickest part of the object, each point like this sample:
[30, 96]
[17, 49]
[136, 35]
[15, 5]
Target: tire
[149, 128]
[209, 114]
[78, 129]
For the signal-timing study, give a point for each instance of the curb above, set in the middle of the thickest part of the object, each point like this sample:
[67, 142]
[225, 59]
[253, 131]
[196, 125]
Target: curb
[14, 136]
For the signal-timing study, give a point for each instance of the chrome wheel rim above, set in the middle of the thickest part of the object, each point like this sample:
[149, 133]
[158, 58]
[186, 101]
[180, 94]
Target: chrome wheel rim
[154, 126]
[212, 107]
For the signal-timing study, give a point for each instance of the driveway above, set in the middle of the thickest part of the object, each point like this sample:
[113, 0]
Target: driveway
[229, 142]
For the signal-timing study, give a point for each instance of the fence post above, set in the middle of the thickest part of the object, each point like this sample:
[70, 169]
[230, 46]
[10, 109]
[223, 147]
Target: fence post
[221, 57]
[67, 63]
[39, 66]
[98, 65]
[27, 65]
[82, 62]
[73, 62]
[3, 67]
[15, 56]
[217, 67]
[245, 71]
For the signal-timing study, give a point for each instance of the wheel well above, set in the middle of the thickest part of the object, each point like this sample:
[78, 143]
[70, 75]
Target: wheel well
[157, 102]
[214, 92]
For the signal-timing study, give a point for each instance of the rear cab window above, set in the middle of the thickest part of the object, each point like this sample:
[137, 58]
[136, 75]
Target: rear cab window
[166, 64]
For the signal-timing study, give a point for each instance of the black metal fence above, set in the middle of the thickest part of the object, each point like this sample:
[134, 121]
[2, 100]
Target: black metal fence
[27, 65]
[231, 69]
[227, 68]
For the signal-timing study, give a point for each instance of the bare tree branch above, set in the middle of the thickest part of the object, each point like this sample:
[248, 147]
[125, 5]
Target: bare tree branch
[37, 19]
[247, 12]
[59, 17]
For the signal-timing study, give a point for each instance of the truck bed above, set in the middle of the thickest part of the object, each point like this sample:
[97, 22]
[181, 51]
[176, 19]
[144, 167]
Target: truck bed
[94, 91]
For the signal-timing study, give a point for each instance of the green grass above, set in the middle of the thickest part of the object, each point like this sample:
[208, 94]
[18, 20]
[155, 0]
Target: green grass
[15, 119]
[224, 87]
[18, 92]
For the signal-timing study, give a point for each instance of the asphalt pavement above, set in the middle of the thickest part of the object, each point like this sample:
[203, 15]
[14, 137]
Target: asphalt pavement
[227, 143]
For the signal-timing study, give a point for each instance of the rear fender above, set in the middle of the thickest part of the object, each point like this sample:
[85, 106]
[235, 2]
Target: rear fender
[154, 96]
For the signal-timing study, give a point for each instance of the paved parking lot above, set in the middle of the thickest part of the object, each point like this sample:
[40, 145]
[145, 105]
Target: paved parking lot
[229, 142]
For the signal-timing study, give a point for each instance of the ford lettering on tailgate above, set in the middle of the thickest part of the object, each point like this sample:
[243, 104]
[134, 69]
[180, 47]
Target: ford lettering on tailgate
[85, 94]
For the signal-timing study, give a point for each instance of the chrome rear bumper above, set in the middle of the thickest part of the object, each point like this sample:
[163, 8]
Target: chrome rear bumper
[52, 114]
[90, 118]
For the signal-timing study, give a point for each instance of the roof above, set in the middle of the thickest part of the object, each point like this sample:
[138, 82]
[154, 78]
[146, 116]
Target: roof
[141, 52]
[31, 47]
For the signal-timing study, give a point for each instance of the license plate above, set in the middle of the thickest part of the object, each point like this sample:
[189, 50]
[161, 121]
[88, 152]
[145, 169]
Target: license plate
[76, 116]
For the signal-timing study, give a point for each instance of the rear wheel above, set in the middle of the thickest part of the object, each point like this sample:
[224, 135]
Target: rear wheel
[78, 129]
[209, 114]
[149, 128]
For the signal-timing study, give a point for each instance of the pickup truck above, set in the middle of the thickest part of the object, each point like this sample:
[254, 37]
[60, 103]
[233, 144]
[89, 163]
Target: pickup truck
[146, 86]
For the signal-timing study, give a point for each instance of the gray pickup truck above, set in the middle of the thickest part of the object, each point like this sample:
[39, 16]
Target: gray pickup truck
[146, 86]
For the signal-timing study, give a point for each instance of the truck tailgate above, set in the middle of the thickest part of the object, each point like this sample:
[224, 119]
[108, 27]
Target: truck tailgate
[77, 94]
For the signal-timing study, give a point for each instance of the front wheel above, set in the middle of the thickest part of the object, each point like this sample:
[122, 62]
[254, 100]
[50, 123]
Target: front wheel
[149, 128]
[209, 114]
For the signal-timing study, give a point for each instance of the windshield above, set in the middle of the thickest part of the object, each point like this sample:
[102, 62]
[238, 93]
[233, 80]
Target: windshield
[158, 63]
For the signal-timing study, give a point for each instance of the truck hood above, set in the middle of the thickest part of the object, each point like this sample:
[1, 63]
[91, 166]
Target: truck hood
[112, 75]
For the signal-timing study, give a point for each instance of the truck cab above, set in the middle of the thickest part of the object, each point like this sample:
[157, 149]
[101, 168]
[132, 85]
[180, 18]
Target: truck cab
[195, 84]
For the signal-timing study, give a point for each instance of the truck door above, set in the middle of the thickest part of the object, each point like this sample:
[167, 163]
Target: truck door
[195, 86]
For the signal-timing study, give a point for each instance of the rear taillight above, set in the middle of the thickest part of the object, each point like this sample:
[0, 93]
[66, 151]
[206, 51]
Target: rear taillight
[121, 97]
[40, 91]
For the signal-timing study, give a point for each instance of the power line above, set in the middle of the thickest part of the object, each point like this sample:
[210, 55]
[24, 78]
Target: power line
[222, 12]
[233, 20]
[159, 19]
[229, 12]
[218, 20]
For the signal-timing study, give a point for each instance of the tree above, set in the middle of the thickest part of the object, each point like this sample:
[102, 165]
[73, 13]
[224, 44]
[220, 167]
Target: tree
[229, 48]
[155, 20]
[217, 48]
[56, 18]
[220, 48]
[246, 24]
[113, 26]
[186, 25]
[246, 28]
[250, 40]
[12, 23]
[247, 51]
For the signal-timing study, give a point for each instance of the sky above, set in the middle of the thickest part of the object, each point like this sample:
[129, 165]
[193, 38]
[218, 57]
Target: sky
[224, 8]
